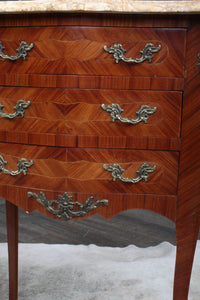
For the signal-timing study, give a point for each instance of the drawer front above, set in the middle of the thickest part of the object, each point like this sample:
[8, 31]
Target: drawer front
[81, 51]
[90, 112]
[89, 170]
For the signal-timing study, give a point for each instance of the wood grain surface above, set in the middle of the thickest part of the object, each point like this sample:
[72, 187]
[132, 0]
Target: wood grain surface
[188, 205]
[80, 51]
[96, 19]
[67, 76]
[142, 228]
[12, 234]
[93, 82]
[79, 112]
[81, 170]
[164, 205]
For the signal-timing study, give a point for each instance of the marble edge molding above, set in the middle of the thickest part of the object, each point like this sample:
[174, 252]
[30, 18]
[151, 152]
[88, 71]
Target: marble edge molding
[122, 6]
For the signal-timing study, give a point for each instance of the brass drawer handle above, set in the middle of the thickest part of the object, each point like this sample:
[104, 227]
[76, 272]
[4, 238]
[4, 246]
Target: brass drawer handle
[22, 165]
[115, 112]
[118, 53]
[22, 51]
[19, 109]
[65, 209]
[143, 172]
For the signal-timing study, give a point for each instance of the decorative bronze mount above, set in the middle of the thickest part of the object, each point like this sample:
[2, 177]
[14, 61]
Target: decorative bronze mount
[65, 209]
[23, 164]
[19, 109]
[143, 172]
[115, 112]
[118, 53]
[22, 51]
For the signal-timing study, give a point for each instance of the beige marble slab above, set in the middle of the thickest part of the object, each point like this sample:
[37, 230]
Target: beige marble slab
[123, 6]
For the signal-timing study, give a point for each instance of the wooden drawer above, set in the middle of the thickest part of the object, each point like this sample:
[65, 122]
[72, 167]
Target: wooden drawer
[84, 170]
[80, 112]
[73, 50]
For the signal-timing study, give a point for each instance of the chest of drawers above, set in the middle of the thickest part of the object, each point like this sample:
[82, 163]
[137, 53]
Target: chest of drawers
[109, 121]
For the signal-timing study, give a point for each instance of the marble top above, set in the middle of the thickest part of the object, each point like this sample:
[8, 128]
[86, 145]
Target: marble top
[123, 6]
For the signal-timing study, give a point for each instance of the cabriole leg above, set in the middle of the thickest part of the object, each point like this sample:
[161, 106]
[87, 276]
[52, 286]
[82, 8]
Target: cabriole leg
[186, 235]
[12, 232]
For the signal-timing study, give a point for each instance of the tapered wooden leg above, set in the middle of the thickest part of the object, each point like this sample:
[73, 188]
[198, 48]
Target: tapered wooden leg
[186, 234]
[12, 232]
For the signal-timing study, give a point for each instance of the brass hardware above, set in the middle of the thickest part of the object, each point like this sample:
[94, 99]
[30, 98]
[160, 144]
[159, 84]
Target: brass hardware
[65, 209]
[118, 53]
[19, 109]
[115, 112]
[143, 172]
[198, 56]
[22, 51]
[22, 166]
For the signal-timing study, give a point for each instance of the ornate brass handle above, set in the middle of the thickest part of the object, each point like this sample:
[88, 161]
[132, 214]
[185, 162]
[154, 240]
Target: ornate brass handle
[143, 172]
[115, 112]
[22, 165]
[22, 51]
[19, 109]
[66, 209]
[118, 53]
